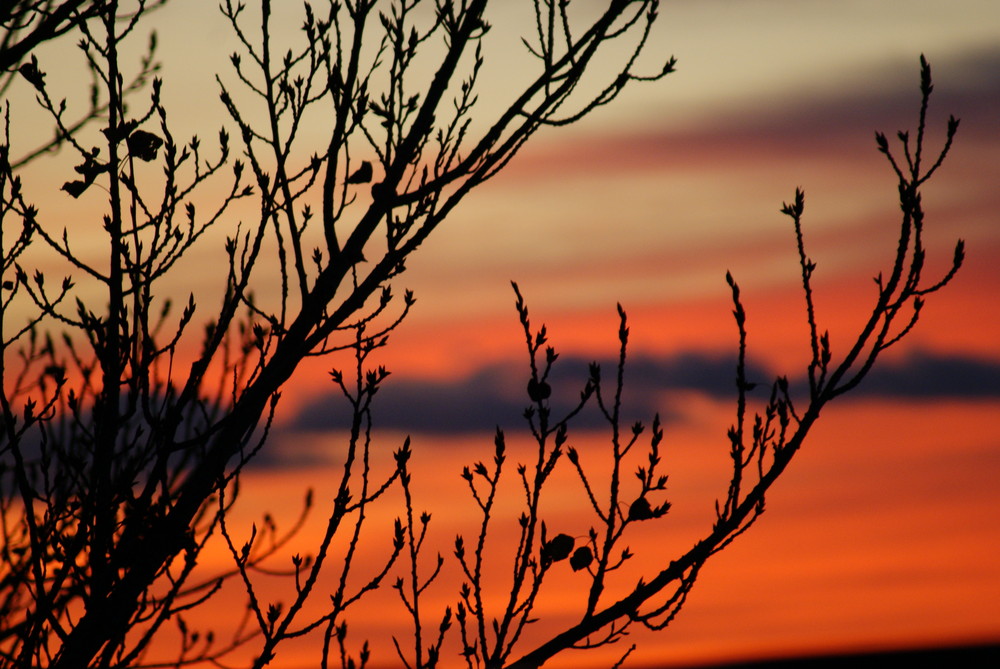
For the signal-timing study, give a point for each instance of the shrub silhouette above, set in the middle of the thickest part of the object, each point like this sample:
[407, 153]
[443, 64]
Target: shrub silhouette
[123, 444]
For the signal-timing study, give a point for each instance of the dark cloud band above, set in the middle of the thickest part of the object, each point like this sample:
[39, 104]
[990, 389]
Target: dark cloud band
[495, 394]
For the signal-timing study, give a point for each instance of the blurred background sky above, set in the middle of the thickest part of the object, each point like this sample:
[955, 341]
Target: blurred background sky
[884, 532]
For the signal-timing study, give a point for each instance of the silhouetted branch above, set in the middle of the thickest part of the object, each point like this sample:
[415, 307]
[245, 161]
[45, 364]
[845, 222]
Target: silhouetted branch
[125, 429]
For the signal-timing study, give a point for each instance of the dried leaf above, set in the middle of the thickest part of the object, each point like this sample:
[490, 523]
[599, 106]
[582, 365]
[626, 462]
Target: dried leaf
[75, 188]
[362, 175]
[144, 145]
[582, 557]
[558, 548]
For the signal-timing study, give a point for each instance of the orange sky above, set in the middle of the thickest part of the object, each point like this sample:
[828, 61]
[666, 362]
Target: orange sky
[883, 533]
[875, 539]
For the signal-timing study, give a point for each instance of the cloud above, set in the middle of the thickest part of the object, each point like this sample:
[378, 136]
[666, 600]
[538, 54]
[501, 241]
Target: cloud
[471, 404]
[965, 85]
[923, 374]
[495, 395]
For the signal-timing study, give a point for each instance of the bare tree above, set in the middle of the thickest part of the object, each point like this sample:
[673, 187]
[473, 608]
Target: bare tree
[29, 23]
[118, 467]
[760, 444]
[121, 449]
[25, 25]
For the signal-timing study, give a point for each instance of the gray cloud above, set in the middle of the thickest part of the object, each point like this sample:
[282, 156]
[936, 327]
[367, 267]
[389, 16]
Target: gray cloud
[495, 395]
[883, 98]
[923, 374]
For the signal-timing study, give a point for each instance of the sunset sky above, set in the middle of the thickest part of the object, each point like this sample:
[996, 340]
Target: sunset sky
[884, 532]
